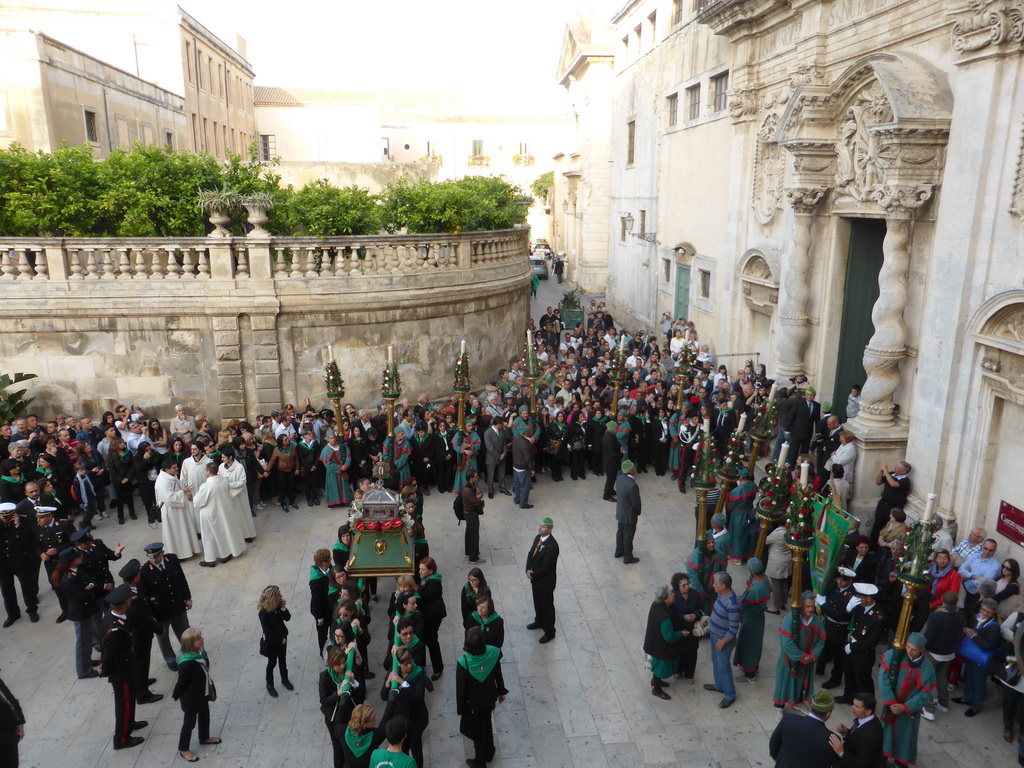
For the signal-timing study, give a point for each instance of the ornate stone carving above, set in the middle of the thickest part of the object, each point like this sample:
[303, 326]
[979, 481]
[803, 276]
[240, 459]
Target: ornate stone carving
[1017, 200]
[862, 156]
[886, 348]
[744, 103]
[1012, 327]
[901, 200]
[769, 171]
[757, 268]
[805, 199]
[986, 26]
[991, 364]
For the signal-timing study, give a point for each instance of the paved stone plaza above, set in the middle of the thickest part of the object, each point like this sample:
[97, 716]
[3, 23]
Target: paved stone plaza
[582, 700]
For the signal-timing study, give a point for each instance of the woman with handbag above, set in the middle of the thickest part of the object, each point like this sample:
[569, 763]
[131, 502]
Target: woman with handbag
[981, 638]
[194, 690]
[577, 439]
[555, 446]
[273, 615]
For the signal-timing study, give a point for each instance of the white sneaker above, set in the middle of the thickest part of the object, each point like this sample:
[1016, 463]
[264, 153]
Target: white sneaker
[927, 715]
[778, 714]
[940, 707]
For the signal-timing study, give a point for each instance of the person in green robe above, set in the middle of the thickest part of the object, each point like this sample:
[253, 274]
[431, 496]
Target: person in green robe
[740, 505]
[753, 603]
[699, 571]
[397, 448]
[662, 640]
[901, 704]
[336, 459]
[802, 637]
[479, 687]
[467, 446]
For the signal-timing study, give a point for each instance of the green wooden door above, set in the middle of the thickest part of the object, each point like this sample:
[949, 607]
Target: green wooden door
[861, 292]
[682, 292]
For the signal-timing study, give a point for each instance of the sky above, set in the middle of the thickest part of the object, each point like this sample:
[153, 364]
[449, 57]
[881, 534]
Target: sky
[494, 53]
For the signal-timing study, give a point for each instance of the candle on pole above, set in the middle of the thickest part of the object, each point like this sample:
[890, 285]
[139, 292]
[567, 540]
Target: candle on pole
[783, 453]
[928, 509]
[463, 348]
[743, 423]
[771, 394]
[805, 474]
[707, 426]
[390, 355]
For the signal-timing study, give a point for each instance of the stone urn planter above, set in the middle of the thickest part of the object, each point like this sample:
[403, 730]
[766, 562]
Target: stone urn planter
[218, 205]
[258, 205]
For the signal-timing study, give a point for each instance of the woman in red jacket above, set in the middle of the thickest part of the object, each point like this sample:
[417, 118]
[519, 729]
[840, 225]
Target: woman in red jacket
[944, 576]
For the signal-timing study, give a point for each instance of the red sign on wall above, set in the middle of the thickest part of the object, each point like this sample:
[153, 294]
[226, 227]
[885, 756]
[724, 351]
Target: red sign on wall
[1011, 523]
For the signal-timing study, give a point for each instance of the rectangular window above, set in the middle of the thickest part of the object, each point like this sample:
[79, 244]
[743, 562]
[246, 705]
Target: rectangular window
[209, 74]
[234, 147]
[386, 148]
[622, 229]
[677, 12]
[91, 133]
[653, 21]
[195, 133]
[206, 135]
[169, 140]
[666, 271]
[148, 136]
[705, 283]
[188, 61]
[220, 79]
[693, 102]
[720, 91]
[630, 142]
[673, 109]
[268, 147]
[123, 132]
[478, 147]
[643, 222]
[199, 70]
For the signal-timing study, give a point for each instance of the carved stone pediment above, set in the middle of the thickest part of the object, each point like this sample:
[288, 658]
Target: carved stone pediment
[724, 16]
[877, 134]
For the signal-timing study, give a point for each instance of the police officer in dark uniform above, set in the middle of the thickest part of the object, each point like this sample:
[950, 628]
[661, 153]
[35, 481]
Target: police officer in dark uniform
[867, 628]
[835, 610]
[164, 587]
[117, 665]
[96, 557]
[17, 560]
[51, 536]
[143, 627]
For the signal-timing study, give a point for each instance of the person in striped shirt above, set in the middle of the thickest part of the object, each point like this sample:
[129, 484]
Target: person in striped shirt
[725, 626]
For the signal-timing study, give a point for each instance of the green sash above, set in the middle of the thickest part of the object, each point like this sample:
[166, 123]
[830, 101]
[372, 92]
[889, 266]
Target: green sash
[359, 745]
[480, 666]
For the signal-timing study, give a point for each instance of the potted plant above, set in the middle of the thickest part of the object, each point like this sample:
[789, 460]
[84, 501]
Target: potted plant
[257, 205]
[572, 308]
[219, 203]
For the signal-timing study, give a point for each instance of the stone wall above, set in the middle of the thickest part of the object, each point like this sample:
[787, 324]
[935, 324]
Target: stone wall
[238, 326]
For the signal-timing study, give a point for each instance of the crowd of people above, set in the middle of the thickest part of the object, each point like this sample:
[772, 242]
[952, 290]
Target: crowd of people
[202, 488]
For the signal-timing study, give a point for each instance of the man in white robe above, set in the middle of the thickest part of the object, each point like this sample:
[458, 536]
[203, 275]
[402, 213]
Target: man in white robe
[234, 473]
[221, 539]
[174, 502]
[193, 474]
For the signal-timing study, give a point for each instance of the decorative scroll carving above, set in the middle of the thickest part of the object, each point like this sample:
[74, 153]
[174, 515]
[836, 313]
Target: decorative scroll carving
[902, 200]
[805, 199]
[769, 171]
[986, 26]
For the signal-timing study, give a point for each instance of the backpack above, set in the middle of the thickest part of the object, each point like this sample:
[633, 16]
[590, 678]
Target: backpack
[460, 515]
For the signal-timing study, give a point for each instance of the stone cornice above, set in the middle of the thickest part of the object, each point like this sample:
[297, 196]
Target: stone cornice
[727, 17]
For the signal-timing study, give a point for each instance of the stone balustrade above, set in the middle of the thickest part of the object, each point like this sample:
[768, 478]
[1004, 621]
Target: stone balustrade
[244, 258]
[236, 326]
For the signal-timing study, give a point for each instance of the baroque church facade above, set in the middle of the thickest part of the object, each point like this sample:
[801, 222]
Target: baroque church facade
[839, 187]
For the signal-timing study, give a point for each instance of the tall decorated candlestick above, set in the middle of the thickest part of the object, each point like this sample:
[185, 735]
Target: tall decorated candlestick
[800, 533]
[335, 391]
[772, 501]
[617, 374]
[462, 383]
[391, 389]
[684, 374]
[702, 480]
[910, 562]
[729, 472]
[765, 420]
[531, 367]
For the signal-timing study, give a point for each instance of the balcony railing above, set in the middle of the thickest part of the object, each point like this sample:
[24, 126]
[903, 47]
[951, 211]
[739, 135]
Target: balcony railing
[78, 261]
[479, 161]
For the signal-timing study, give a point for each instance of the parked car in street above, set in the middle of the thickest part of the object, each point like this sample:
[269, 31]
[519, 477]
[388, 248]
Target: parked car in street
[539, 266]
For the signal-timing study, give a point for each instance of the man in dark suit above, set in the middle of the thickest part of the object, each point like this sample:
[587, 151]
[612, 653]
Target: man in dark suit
[805, 418]
[611, 454]
[860, 745]
[541, 570]
[627, 512]
[12, 727]
[803, 742]
[826, 440]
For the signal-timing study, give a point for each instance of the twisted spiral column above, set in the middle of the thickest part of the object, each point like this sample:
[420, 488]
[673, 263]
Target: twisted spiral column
[887, 346]
[792, 330]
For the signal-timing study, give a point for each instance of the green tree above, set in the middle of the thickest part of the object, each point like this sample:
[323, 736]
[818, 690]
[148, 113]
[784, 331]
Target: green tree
[13, 403]
[542, 184]
[323, 210]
